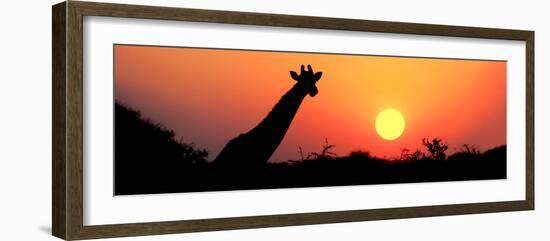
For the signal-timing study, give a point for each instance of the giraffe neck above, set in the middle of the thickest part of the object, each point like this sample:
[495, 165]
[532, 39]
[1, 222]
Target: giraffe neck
[257, 145]
[280, 117]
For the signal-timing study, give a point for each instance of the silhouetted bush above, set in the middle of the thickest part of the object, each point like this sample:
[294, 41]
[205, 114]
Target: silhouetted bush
[436, 148]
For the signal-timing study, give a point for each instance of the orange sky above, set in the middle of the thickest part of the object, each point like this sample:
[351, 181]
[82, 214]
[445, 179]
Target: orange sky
[209, 96]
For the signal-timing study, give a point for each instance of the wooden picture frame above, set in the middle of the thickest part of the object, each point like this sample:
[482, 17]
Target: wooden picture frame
[67, 152]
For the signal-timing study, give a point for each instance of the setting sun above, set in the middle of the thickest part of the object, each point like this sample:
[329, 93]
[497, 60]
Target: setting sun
[390, 124]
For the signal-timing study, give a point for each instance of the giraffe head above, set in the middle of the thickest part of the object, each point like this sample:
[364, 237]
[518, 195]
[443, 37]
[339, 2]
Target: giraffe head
[307, 79]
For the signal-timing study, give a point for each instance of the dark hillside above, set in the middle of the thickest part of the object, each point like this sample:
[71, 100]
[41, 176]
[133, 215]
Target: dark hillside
[149, 159]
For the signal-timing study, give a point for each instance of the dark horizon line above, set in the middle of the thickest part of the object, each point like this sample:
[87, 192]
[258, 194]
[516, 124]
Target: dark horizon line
[389, 158]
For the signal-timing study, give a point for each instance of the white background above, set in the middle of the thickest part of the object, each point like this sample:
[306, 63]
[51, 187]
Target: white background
[25, 126]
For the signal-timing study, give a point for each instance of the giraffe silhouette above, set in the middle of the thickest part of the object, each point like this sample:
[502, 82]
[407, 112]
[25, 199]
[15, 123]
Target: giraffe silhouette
[258, 145]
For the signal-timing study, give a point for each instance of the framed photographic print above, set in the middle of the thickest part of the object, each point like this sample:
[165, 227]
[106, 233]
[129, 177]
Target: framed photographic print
[171, 120]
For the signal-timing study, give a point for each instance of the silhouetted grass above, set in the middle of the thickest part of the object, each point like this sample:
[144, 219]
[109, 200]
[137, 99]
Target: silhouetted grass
[148, 159]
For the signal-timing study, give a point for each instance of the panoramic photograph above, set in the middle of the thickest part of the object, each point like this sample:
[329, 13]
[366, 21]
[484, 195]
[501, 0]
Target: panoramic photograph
[192, 119]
